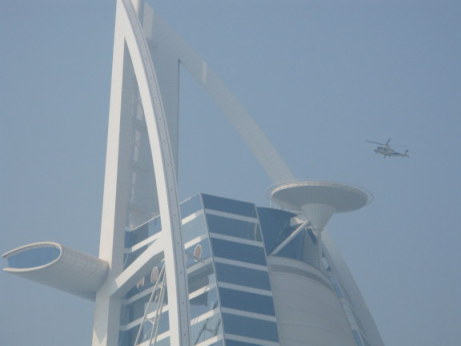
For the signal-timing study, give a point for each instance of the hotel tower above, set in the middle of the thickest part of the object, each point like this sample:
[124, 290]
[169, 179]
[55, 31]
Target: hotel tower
[209, 270]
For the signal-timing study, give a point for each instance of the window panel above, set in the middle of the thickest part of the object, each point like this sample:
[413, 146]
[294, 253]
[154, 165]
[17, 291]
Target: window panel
[218, 343]
[250, 327]
[239, 252]
[148, 280]
[206, 329]
[200, 278]
[130, 257]
[190, 206]
[238, 343]
[242, 276]
[275, 226]
[304, 247]
[232, 227]
[198, 252]
[143, 232]
[229, 205]
[194, 228]
[128, 337]
[136, 309]
[246, 301]
[203, 303]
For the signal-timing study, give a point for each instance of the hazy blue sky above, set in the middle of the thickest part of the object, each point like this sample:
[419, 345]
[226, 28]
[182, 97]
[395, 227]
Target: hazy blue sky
[320, 77]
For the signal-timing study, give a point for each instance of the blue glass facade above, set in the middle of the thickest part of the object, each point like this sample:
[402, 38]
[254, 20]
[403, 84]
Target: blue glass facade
[230, 296]
[230, 293]
[226, 244]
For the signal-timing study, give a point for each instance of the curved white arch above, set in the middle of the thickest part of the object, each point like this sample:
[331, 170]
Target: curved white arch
[164, 167]
[130, 43]
[240, 119]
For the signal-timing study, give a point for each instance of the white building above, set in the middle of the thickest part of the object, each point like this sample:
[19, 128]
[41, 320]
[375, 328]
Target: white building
[211, 271]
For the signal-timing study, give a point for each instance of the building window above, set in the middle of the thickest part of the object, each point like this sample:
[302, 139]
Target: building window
[201, 277]
[239, 343]
[234, 228]
[246, 301]
[136, 309]
[137, 235]
[198, 253]
[242, 276]
[238, 252]
[206, 329]
[229, 206]
[190, 206]
[250, 327]
[128, 337]
[194, 228]
[130, 257]
[203, 303]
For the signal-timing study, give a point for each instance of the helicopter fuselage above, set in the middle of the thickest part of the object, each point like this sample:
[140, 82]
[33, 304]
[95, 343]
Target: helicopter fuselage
[387, 151]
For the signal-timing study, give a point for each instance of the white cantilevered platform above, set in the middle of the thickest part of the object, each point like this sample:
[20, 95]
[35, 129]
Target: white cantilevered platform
[318, 200]
[58, 266]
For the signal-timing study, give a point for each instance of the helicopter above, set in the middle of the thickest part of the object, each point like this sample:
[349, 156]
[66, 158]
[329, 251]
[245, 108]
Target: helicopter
[386, 150]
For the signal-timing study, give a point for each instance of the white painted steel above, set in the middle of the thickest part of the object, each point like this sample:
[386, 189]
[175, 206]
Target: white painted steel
[119, 286]
[164, 168]
[318, 214]
[161, 280]
[308, 312]
[358, 305]
[130, 39]
[114, 212]
[166, 43]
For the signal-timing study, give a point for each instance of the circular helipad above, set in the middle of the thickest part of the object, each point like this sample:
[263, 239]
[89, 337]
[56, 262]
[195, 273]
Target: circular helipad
[295, 195]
